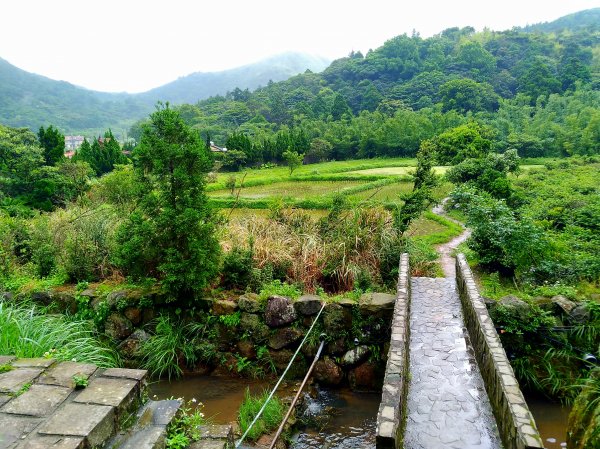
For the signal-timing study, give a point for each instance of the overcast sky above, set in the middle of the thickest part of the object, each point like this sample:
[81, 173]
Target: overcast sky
[134, 45]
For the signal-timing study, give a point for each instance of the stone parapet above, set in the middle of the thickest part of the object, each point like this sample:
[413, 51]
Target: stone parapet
[391, 416]
[515, 421]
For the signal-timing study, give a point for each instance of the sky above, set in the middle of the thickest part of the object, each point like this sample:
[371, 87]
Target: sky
[135, 45]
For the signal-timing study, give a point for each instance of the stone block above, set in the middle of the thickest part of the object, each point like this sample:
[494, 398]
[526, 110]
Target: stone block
[95, 423]
[106, 391]
[14, 428]
[376, 302]
[52, 442]
[279, 311]
[249, 302]
[118, 327]
[122, 373]
[38, 362]
[146, 438]
[13, 381]
[39, 400]
[4, 398]
[308, 305]
[62, 373]
[158, 413]
[224, 307]
[6, 359]
[284, 337]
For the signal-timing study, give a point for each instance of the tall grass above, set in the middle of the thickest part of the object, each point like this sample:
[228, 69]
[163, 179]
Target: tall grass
[268, 421]
[26, 332]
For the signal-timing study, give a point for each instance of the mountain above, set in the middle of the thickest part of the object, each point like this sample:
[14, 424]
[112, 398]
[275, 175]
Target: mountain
[198, 86]
[30, 100]
[589, 18]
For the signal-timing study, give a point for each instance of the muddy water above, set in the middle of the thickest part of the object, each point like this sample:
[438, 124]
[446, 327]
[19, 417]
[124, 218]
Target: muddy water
[221, 396]
[551, 419]
[343, 420]
[339, 419]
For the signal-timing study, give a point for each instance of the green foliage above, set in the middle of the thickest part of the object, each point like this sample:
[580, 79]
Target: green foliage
[28, 332]
[269, 420]
[232, 320]
[80, 381]
[277, 287]
[5, 368]
[184, 429]
[53, 144]
[293, 160]
[102, 155]
[170, 235]
[471, 140]
[237, 268]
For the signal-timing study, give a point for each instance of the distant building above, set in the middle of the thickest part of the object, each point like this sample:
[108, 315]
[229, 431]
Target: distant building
[72, 143]
[216, 149]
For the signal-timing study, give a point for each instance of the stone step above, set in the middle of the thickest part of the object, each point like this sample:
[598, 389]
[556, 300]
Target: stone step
[150, 428]
[215, 436]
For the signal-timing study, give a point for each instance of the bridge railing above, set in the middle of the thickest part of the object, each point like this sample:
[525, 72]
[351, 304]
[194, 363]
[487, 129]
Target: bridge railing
[515, 422]
[391, 416]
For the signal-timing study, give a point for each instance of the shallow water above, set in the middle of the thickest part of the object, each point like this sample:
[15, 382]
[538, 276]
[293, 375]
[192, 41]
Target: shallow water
[551, 419]
[346, 420]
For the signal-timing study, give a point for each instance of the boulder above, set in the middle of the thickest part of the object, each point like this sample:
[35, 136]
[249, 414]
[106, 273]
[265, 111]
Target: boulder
[113, 298]
[347, 302]
[279, 311]
[563, 304]
[253, 325]
[6, 296]
[131, 345]
[249, 302]
[365, 378]
[246, 349]
[308, 305]
[517, 307]
[65, 301]
[148, 314]
[133, 314]
[580, 314]
[327, 372]
[284, 337]
[224, 307]
[281, 358]
[376, 302]
[355, 356]
[88, 293]
[227, 365]
[41, 298]
[336, 319]
[118, 327]
[337, 346]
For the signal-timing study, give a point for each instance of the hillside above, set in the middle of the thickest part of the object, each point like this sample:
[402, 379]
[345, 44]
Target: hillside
[30, 100]
[198, 86]
[575, 21]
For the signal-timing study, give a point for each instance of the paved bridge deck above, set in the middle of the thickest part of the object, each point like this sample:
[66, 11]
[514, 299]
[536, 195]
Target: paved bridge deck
[447, 405]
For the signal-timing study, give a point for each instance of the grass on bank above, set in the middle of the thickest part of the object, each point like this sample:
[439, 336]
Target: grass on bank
[25, 331]
[268, 421]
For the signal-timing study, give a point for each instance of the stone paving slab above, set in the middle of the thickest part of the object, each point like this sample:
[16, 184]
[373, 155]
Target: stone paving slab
[5, 359]
[39, 400]
[95, 423]
[39, 362]
[62, 374]
[447, 405]
[12, 381]
[4, 398]
[52, 442]
[13, 428]
[107, 391]
[135, 374]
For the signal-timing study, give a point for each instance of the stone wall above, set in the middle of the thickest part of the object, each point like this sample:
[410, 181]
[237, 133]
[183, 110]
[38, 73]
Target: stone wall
[515, 422]
[391, 416]
[249, 336]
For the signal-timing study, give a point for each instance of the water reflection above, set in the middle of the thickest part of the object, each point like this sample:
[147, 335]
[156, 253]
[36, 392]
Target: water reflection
[551, 419]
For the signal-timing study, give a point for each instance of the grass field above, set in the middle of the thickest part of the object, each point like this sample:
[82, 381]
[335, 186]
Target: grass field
[291, 189]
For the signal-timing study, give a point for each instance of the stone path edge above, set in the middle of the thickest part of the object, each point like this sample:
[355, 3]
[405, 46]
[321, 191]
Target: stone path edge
[391, 417]
[515, 421]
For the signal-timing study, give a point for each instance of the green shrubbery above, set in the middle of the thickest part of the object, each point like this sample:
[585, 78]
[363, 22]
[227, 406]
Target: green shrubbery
[268, 421]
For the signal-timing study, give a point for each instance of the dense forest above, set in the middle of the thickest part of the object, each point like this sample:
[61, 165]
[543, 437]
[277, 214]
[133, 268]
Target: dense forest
[533, 90]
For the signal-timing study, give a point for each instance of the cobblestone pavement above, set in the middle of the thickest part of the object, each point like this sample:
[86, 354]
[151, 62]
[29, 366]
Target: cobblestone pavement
[447, 404]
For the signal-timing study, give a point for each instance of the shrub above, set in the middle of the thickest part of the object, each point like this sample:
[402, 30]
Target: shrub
[237, 268]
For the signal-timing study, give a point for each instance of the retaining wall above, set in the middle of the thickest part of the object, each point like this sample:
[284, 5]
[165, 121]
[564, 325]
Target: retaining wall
[391, 416]
[515, 422]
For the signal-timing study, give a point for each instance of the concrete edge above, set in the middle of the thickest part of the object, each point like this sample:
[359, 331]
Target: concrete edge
[515, 421]
[392, 410]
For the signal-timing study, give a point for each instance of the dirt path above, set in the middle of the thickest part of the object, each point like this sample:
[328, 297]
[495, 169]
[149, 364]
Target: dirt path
[445, 249]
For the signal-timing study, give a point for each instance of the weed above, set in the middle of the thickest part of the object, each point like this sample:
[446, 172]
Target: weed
[80, 381]
[184, 428]
[231, 320]
[5, 368]
[270, 418]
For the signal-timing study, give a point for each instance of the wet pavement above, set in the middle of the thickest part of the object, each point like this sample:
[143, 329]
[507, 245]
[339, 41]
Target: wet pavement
[447, 404]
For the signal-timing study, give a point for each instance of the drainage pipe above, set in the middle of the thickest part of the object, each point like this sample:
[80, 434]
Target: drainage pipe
[293, 404]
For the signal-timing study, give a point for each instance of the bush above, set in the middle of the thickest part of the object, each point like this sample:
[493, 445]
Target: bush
[237, 268]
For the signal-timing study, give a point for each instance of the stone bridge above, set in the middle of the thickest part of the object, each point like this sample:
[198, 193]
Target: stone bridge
[448, 382]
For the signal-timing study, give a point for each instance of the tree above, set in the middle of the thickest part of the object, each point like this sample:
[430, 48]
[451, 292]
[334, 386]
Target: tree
[471, 140]
[464, 95]
[340, 107]
[53, 144]
[293, 160]
[171, 233]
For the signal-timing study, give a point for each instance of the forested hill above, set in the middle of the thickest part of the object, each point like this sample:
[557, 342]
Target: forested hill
[533, 90]
[589, 18]
[30, 100]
